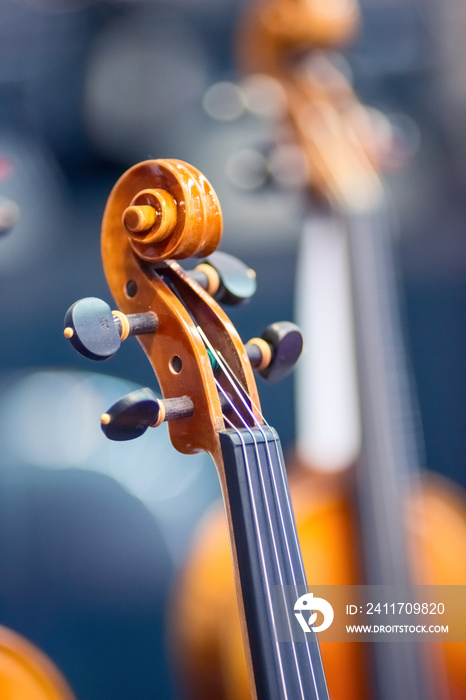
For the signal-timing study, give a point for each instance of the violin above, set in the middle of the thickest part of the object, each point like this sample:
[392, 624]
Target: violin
[161, 211]
[382, 518]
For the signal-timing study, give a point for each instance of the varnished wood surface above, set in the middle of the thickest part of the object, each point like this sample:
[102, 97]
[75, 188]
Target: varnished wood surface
[176, 335]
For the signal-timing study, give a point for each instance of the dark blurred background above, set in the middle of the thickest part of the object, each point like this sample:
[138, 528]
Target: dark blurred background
[92, 533]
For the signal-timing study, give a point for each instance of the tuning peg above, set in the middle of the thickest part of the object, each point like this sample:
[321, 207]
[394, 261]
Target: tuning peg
[275, 353]
[97, 332]
[130, 417]
[226, 278]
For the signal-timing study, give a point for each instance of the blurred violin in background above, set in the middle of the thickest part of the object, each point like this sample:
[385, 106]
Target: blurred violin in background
[26, 673]
[366, 511]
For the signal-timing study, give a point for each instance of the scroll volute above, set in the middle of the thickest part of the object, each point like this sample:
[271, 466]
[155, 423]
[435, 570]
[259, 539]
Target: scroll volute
[337, 134]
[160, 210]
[272, 27]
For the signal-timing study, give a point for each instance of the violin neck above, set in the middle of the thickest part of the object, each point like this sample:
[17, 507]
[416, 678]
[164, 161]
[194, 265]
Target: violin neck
[390, 452]
[390, 449]
[268, 559]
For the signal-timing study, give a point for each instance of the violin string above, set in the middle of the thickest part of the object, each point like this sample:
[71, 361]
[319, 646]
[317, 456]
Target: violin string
[231, 376]
[296, 540]
[245, 398]
[288, 500]
[282, 472]
[242, 393]
[233, 379]
[248, 401]
[294, 529]
[236, 384]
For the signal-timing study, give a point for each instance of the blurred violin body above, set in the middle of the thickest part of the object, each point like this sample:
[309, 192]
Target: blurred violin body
[381, 519]
[208, 635]
[26, 673]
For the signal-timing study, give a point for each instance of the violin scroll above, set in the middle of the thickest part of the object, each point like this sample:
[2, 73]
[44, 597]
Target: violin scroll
[164, 209]
[161, 209]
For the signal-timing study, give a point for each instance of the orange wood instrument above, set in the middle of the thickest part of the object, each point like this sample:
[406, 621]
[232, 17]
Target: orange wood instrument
[384, 520]
[159, 211]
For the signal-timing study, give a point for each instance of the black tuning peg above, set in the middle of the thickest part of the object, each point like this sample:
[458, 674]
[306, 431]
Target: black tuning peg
[226, 278]
[130, 417]
[96, 331]
[275, 353]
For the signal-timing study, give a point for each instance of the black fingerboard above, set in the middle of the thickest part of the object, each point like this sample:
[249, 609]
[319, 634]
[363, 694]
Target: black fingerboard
[269, 558]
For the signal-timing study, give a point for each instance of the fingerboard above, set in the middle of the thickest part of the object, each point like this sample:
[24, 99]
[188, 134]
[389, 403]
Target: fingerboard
[269, 558]
[389, 462]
